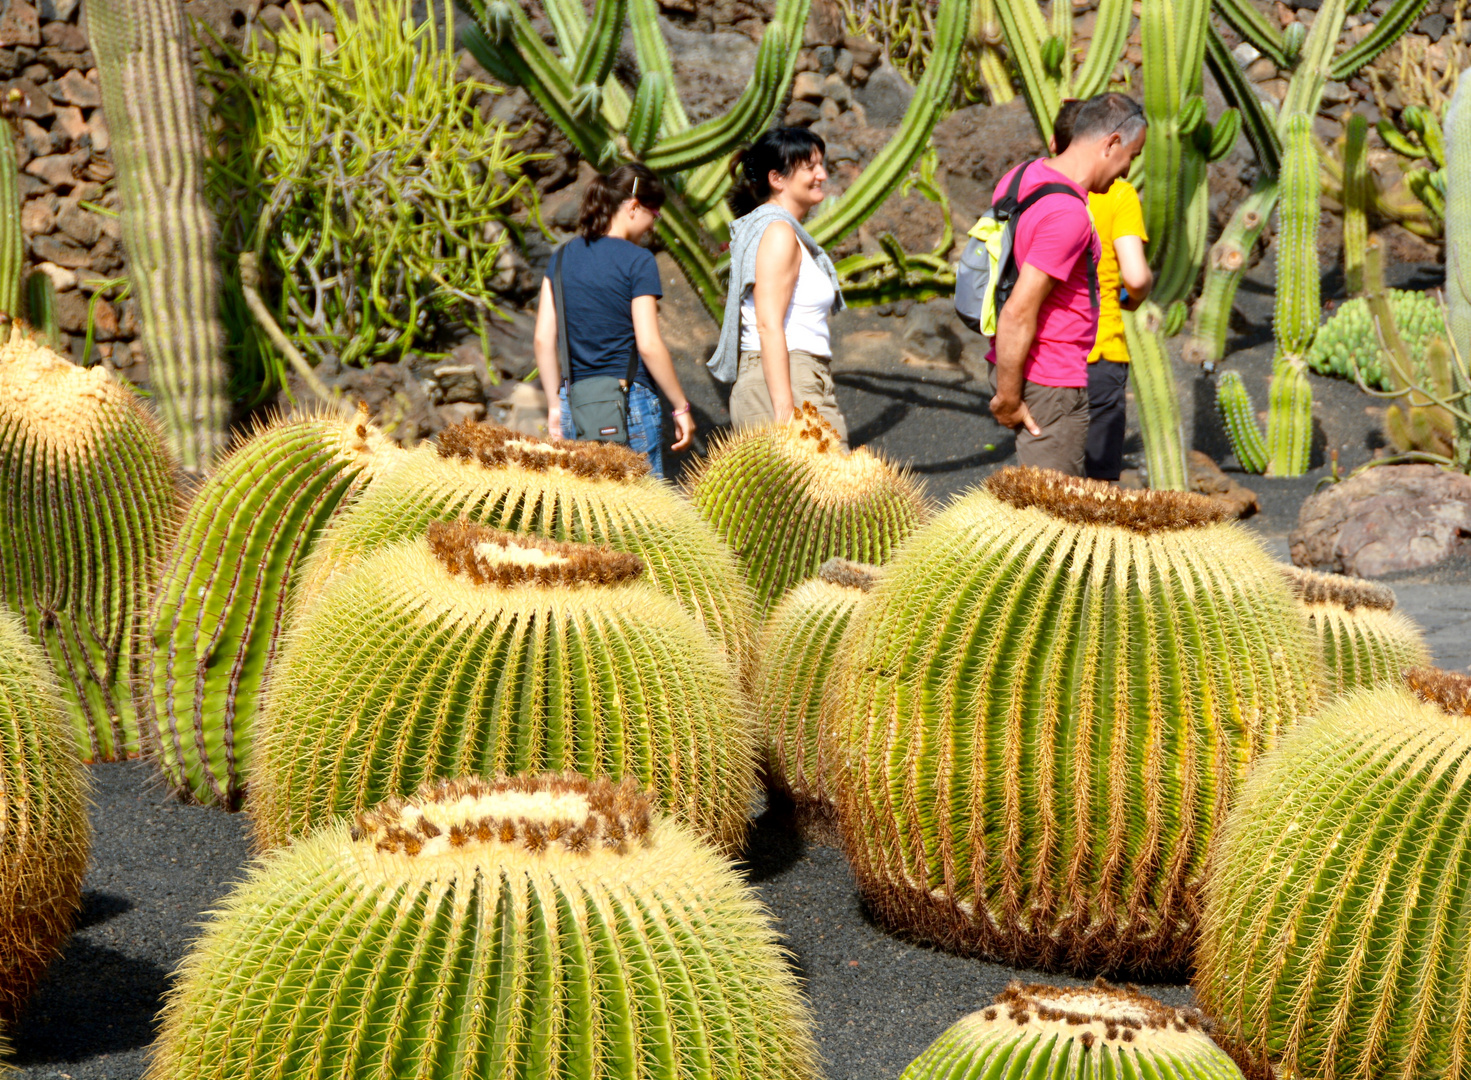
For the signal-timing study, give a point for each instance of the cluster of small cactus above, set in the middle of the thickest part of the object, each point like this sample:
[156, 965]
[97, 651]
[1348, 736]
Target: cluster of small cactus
[1348, 346]
[219, 612]
[1040, 718]
[475, 651]
[1287, 448]
[88, 491]
[1333, 939]
[788, 497]
[1364, 640]
[539, 927]
[1092, 1033]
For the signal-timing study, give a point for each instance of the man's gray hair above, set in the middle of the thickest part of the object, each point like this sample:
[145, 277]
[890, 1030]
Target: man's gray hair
[1105, 114]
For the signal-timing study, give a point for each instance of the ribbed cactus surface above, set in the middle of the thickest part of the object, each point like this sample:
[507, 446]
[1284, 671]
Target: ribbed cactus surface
[1334, 941]
[1044, 709]
[144, 55]
[478, 651]
[87, 488]
[43, 794]
[798, 652]
[597, 493]
[1358, 191]
[12, 236]
[787, 498]
[1289, 419]
[1364, 640]
[1458, 219]
[1234, 404]
[1299, 307]
[542, 928]
[1348, 346]
[1152, 378]
[1084, 1033]
[220, 609]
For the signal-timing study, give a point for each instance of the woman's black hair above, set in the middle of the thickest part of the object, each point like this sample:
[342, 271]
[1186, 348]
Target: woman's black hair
[780, 150]
[607, 193]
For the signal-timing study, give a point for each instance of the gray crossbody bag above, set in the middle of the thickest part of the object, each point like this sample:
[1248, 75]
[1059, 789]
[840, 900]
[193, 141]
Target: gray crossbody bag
[598, 405]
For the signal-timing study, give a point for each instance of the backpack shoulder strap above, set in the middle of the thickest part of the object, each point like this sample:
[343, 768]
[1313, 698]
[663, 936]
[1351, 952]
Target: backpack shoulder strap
[563, 355]
[1041, 191]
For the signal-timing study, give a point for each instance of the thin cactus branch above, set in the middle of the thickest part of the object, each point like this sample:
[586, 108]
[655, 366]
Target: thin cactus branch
[1153, 379]
[12, 236]
[1356, 194]
[1386, 30]
[1263, 34]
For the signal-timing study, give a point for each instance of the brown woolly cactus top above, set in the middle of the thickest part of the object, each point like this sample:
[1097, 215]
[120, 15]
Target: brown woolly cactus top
[495, 447]
[1450, 691]
[1090, 1013]
[528, 814]
[60, 403]
[1093, 502]
[841, 475]
[1345, 592]
[504, 559]
[850, 575]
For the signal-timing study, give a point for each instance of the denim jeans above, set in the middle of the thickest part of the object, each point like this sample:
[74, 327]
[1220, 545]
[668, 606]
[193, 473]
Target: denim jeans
[645, 425]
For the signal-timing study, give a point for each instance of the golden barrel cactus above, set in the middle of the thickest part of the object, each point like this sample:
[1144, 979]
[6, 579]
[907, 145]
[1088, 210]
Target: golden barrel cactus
[543, 928]
[1044, 710]
[1364, 640]
[476, 651]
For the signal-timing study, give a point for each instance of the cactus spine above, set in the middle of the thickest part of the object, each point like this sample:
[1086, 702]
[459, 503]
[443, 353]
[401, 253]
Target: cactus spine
[1356, 194]
[549, 929]
[1289, 419]
[1333, 941]
[1153, 378]
[144, 56]
[43, 847]
[88, 491]
[220, 610]
[1239, 416]
[1040, 719]
[475, 651]
[1299, 308]
[1364, 640]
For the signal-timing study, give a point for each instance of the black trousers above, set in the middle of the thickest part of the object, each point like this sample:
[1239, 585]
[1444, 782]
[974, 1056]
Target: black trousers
[1103, 457]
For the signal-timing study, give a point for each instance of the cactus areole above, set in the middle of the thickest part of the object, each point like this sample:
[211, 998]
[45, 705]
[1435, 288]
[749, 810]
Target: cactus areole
[1090, 1033]
[1043, 712]
[1364, 640]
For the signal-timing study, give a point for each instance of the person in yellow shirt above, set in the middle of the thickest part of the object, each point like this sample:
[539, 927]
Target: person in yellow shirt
[1119, 219]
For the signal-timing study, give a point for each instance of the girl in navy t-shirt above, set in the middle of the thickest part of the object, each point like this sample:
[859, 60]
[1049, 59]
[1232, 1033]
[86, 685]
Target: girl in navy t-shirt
[610, 289]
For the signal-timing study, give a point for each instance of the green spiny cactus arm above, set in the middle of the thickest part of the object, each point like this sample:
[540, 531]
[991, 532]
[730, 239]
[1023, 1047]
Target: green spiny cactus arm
[41, 307]
[653, 56]
[1110, 38]
[892, 164]
[144, 56]
[1153, 380]
[648, 111]
[1299, 307]
[681, 233]
[1315, 66]
[569, 25]
[1422, 122]
[1239, 417]
[1180, 263]
[1223, 135]
[12, 237]
[1251, 24]
[1261, 126]
[1355, 203]
[1387, 29]
[599, 48]
[1290, 419]
[1227, 264]
[1458, 254]
[574, 37]
[1025, 33]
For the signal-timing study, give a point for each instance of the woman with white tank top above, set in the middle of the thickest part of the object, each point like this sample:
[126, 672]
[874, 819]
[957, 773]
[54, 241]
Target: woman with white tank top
[783, 288]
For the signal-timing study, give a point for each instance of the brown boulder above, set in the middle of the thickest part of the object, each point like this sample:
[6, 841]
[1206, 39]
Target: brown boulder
[1207, 478]
[1389, 518]
[19, 24]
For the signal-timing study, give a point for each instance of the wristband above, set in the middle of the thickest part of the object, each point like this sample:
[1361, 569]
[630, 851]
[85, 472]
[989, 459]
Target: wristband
[681, 410]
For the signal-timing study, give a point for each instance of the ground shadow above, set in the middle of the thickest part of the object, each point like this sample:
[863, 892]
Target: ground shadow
[774, 843]
[93, 1001]
[100, 907]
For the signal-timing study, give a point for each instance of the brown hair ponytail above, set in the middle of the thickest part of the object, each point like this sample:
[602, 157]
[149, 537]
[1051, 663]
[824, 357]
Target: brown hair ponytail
[607, 193]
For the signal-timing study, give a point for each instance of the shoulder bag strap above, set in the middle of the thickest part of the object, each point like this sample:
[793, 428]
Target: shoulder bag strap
[1064, 189]
[563, 355]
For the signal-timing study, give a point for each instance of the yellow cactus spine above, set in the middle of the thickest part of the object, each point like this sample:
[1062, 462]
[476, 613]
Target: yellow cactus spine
[1363, 639]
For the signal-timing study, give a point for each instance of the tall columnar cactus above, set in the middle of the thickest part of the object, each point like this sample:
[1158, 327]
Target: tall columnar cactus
[1299, 305]
[145, 58]
[1357, 192]
[796, 658]
[12, 236]
[1364, 640]
[1239, 416]
[549, 929]
[1042, 714]
[220, 609]
[1085, 1032]
[475, 651]
[1458, 250]
[1152, 376]
[87, 488]
[1334, 941]
[787, 498]
[43, 847]
[1289, 419]
[596, 493]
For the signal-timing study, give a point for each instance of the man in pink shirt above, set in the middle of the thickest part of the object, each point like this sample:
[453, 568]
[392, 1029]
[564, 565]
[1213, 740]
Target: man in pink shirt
[1039, 374]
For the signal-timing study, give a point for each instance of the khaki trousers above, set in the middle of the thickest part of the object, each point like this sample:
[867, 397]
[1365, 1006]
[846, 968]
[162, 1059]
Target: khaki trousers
[1062, 414]
[812, 381]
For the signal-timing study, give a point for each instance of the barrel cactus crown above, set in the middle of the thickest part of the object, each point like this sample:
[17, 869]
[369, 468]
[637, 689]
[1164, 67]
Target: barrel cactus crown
[1347, 345]
[596, 493]
[219, 612]
[787, 498]
[1043, 711]
[1364, 640]
[89, 509]
[43, 808]
[473, 650]
[544, 928]
[1334, 940]
[797, 655]
[1091, 1033]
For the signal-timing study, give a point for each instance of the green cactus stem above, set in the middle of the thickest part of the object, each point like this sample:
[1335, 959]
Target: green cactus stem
[44, 845]
[145, 57]
[1365, 642]
[1332, 941]
[1042, 54]
[787, 498]
[1299, 307]
[1289, 419]
[1356, 197]
[549, 928]
[1239, 416]
[1040, 718]
[88, 490]
[41, 307]
[475, 651]
[1458, 251]
[1152, 377]
[1262, 32]
[219, 614]
[12, 236]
